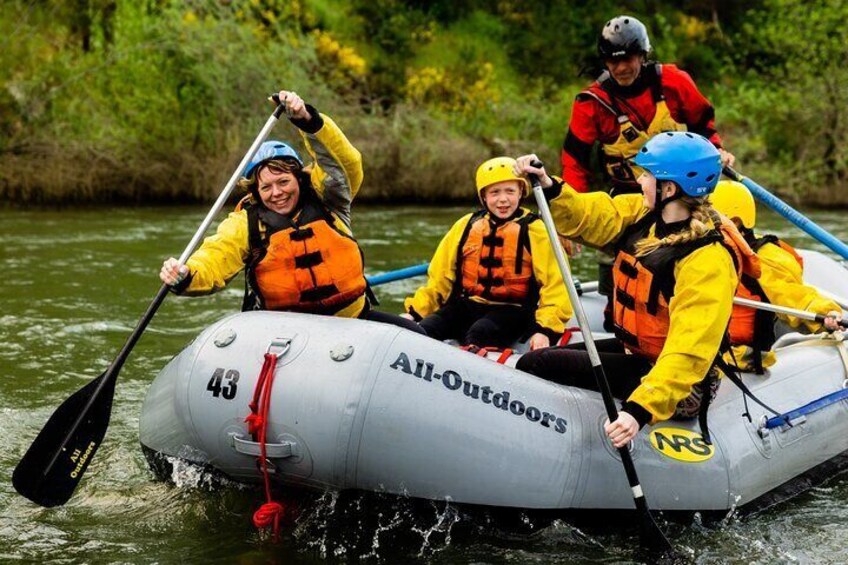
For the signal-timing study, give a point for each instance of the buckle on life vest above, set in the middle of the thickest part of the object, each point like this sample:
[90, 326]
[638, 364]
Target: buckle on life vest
[630, 134]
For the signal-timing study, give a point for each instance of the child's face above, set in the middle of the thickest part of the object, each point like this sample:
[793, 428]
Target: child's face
[502, 198]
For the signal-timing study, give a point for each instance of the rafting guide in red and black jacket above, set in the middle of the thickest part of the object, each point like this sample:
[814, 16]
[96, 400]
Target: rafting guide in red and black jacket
[630, 102]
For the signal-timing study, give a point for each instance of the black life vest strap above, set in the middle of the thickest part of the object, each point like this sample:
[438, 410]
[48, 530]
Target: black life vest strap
[308, 260]
[256, 252]
[457, 291]
[302, 234]
[491, 262]
[764, 336]
[663, 280]
[706, 399]
[626, 300]
[656, 82]
[611, 107]
[628, 270]
[523, 239]
[319, 293]
[732, 373]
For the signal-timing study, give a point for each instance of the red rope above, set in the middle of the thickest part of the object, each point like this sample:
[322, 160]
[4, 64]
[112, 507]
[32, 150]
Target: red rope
[257, 425]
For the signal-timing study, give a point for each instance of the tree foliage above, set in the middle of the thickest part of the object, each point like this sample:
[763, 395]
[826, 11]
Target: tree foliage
[154, 98]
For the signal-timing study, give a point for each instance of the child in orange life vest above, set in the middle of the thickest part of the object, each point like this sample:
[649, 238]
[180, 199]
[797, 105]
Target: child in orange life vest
[291, 234]
[675, 273]
[781, 283]
[494, 277]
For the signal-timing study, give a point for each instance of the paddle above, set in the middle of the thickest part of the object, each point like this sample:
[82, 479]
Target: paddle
[790, 213]
[650, 534]
[802, 314]
[418, 270]
[398, 275]
[55, 462]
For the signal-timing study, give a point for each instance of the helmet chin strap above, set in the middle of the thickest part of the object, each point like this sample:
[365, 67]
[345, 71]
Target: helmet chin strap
[660, 203]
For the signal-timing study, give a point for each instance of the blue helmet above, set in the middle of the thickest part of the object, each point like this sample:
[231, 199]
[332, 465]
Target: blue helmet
[271, 150]
[685, 158]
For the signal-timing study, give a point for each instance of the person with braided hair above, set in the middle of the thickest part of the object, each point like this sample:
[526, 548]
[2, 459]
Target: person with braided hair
[677, 264]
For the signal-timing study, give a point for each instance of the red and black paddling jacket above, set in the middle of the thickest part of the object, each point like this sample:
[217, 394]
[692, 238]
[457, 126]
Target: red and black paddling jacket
[663, 98]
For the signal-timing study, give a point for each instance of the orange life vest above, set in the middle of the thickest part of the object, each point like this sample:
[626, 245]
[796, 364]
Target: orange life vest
[752, 327]
[301, 264]
[630, 140]
[644, 285]
[494, 260]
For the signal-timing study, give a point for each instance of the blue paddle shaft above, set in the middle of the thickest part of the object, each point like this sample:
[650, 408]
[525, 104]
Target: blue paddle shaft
[790, 213]
[397, 275]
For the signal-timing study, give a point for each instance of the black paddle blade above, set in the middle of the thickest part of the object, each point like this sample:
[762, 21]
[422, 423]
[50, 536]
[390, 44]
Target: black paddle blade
[654, 540]
[54, 464]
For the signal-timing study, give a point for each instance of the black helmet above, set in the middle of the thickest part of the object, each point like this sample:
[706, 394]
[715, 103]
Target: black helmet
[623, 35]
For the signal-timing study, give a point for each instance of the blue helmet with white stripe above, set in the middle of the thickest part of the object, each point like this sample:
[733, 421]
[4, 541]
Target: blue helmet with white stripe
[271, 150]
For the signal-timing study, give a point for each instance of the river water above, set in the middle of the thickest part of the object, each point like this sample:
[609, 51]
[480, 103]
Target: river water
[75, 283]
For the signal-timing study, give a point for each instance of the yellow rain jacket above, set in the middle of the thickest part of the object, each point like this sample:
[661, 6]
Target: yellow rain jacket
[553, 309]
[699, 311]
[336, 177]
[782, 281]
[783, 284]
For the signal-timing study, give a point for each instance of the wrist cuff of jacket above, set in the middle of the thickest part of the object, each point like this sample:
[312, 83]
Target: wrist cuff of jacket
[415, 315]
[642, 416]
[181, 286]
[313, 124]
[552, 335]
[552, 191]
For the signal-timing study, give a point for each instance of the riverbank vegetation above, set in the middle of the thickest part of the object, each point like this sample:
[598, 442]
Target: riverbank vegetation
[157, 100]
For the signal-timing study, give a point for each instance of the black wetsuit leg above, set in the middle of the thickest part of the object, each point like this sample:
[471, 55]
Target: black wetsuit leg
[573, 367]
[451, 321]
[498, 326]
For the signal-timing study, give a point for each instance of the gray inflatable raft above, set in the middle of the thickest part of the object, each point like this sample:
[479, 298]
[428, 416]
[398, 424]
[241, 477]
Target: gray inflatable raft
[363, 405]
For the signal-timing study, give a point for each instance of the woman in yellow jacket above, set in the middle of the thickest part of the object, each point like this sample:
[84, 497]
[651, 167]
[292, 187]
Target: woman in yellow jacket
[291, 234]
[494, 277]
[781, 283]
[675, 275]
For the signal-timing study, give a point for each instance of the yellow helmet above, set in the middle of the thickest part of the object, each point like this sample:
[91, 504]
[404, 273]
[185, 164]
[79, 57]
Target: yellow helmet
[732, 199]
[497, 170]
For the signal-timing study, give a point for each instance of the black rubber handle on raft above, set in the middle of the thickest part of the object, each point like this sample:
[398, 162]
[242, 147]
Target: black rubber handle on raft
[281, 107]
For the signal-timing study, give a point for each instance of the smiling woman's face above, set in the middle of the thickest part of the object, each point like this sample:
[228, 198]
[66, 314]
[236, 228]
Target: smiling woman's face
[279, 191]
